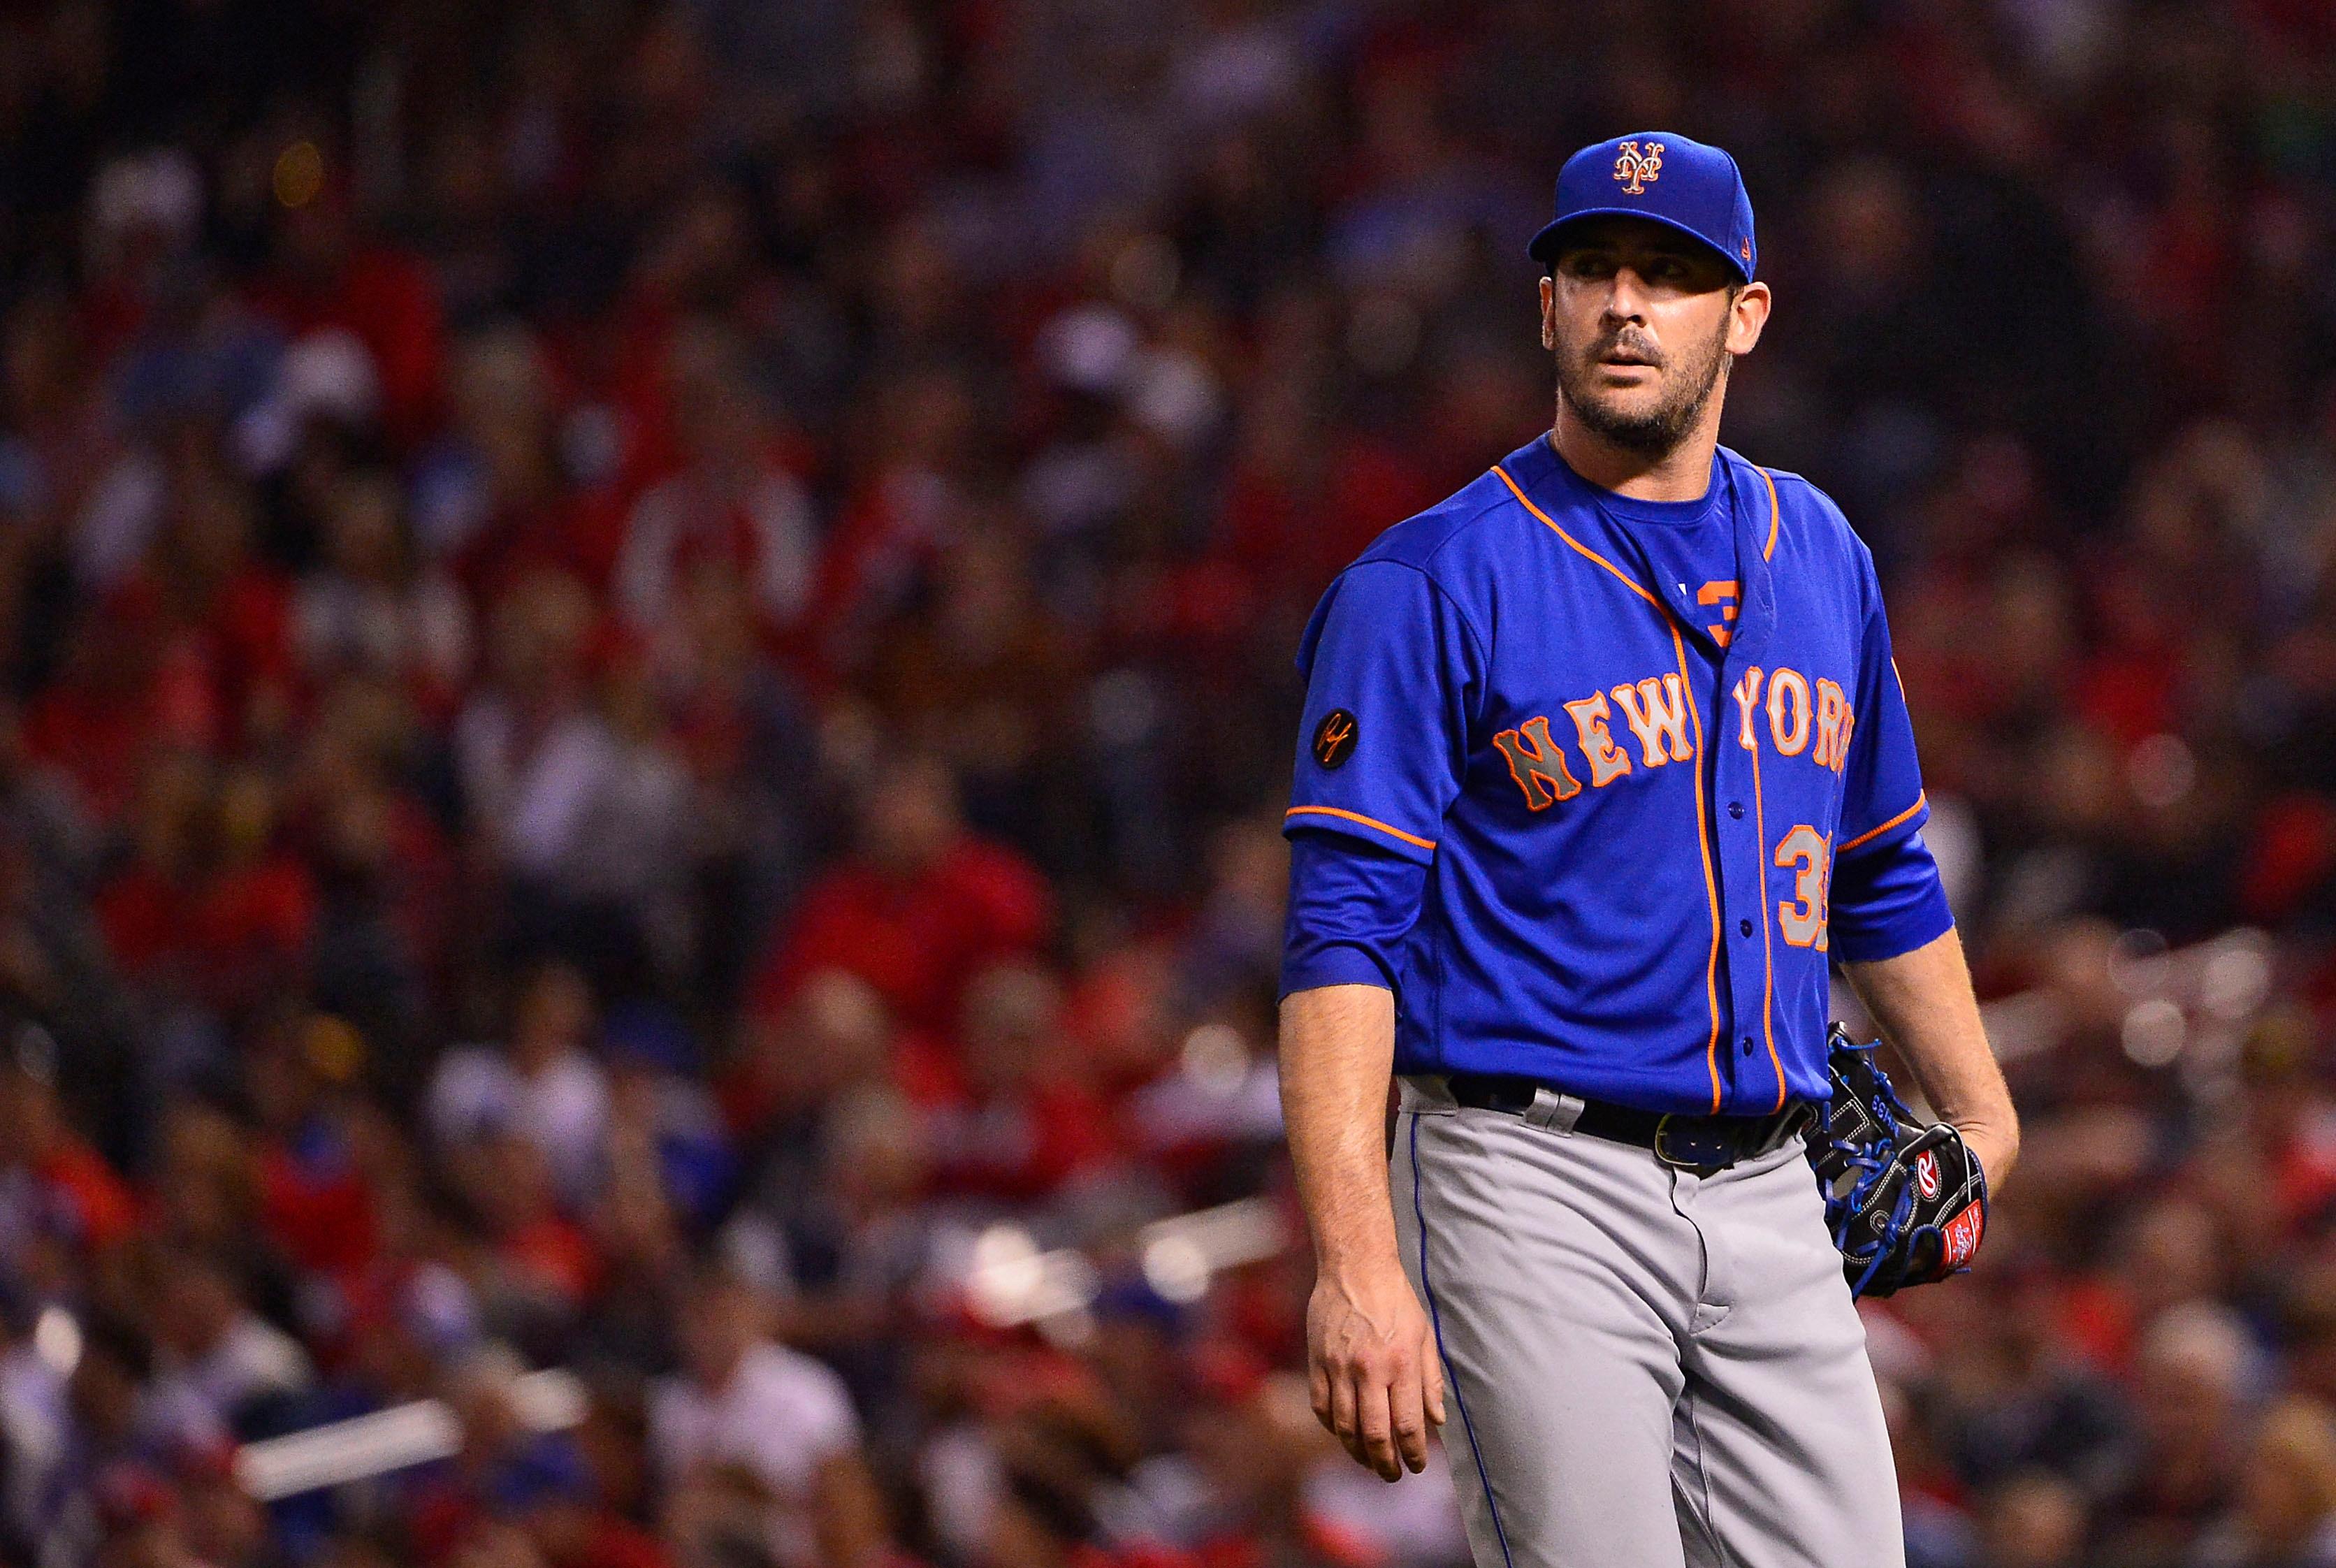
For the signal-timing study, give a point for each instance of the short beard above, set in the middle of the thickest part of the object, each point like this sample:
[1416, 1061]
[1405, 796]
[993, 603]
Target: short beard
[1657, 433]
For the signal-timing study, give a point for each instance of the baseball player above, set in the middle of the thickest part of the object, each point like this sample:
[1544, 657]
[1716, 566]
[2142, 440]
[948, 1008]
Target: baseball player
[1603, 760]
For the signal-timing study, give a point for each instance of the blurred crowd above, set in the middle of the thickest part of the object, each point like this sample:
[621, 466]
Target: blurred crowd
[645, 692]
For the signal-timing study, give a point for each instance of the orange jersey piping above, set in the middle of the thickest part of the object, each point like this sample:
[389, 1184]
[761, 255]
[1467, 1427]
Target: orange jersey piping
[1775, 515]
[1358, 817]
[1628, 580]
[1768, 935]
[1710, 885]
[1885, 827]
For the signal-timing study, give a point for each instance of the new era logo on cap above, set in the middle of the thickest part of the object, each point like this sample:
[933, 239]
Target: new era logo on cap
[1664, 177]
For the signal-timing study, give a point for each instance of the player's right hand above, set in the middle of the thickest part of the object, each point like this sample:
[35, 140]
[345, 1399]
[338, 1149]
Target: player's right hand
[1372, 1368]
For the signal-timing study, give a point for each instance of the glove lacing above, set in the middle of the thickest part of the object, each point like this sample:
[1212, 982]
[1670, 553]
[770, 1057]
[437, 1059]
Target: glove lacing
[1871, 1157]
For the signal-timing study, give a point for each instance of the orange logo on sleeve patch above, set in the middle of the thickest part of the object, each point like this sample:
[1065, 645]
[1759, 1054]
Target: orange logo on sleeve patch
[1334, 738]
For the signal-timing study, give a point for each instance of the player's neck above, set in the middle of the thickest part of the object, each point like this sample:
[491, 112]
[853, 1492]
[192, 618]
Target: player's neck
[1682, 474]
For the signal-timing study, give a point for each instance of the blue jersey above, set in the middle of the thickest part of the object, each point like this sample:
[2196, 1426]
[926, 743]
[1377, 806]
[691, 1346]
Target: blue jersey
[1637, 814]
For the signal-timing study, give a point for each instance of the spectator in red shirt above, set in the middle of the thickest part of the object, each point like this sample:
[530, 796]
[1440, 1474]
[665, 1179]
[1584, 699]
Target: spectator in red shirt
[214, 907]
[488, 495]
[921, 907]
[732, 508]
[545, 1266]
[228, 613]
[893, 524]
[1030, 1126]
[111, 708]
[317, 1200]
[330, 274]
[74, 1194]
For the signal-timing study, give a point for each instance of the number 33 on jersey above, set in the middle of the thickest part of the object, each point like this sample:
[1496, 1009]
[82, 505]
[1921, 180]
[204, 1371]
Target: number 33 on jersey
[1645, 831]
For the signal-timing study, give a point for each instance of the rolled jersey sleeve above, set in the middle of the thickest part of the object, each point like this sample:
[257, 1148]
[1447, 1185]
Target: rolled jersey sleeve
[1887, 902]
[1885, 897]
[1351, 903]
[1393, 675]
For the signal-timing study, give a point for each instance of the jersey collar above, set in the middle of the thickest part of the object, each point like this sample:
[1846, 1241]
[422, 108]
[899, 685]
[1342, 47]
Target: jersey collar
[1546, 477]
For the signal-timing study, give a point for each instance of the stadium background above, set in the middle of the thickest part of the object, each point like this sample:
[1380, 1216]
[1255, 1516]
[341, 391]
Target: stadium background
[648, 689]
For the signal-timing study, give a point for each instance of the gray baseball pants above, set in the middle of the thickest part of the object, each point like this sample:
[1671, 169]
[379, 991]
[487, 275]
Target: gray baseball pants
[1645, 1369]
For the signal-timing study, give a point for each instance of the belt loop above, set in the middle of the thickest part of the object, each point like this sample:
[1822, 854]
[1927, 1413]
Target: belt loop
[1428, 1092]
[1556, 1112]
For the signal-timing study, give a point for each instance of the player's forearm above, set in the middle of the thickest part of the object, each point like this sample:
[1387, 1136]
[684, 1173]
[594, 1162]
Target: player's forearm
[1922, 1000]
[1337, 1049]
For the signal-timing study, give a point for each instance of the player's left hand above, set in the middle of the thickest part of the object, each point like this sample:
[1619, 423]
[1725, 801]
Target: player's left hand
[1905, 1201]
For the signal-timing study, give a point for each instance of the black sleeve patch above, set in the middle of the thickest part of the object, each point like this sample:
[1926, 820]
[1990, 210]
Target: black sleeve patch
[1334, 739]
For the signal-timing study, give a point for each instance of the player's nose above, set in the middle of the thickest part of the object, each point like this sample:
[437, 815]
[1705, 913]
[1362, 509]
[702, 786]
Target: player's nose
[1626, 296]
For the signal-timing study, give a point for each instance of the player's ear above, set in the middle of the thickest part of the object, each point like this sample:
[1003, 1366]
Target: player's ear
[1748, 313]
[1549, 310]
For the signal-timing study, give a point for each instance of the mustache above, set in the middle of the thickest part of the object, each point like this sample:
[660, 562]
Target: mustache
[1627, 340]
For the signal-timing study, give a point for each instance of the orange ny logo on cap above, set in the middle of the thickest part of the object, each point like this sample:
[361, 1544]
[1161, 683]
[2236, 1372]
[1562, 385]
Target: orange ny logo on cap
[1635, 170]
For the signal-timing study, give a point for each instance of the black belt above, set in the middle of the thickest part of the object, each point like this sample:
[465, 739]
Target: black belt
[1700, 1143]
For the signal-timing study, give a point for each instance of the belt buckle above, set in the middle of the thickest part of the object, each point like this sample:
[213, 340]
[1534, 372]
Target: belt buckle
[1703, 1150]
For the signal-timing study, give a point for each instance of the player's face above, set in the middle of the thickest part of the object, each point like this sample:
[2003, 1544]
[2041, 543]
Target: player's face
[1643, 321]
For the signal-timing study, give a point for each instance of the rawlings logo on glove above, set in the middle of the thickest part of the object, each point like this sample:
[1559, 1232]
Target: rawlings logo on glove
[1906, 1204]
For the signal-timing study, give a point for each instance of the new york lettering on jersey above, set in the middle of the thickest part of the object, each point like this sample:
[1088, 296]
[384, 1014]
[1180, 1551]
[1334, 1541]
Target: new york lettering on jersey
[1633, 808]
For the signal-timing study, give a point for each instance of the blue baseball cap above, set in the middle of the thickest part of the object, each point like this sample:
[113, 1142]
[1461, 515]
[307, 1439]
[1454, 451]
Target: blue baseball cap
[1667, 179]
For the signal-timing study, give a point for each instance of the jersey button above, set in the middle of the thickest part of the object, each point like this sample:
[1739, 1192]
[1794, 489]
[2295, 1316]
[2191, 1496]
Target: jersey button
[1736, 809]
[1744, 926]
[1748, 1044]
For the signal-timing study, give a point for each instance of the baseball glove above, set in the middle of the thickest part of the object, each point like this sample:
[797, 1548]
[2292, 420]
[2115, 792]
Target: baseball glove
[1906, 1204]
